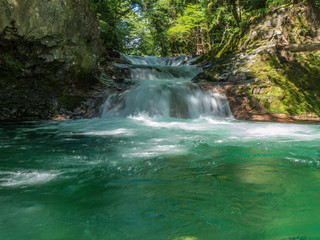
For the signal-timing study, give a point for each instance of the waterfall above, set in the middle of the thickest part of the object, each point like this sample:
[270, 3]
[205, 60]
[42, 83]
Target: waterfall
[163, 87]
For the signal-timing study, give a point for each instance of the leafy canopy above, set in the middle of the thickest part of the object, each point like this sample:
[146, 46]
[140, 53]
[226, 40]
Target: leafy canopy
[175, 27]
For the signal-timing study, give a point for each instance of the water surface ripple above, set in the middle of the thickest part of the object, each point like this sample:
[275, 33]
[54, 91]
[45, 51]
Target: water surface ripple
[154, 178]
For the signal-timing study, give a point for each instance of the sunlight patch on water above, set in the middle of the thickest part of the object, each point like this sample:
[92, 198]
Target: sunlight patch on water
[186, 238]
[259, 174]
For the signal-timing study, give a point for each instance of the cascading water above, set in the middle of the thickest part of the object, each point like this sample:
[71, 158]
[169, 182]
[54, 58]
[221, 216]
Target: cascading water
[164, 88]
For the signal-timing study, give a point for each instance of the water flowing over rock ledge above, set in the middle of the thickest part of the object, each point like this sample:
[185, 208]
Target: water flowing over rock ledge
[163, 88]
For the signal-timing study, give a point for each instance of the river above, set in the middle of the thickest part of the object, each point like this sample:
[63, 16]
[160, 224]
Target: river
[165, 161]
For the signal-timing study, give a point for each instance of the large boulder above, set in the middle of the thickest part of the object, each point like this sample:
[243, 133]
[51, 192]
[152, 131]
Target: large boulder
[49, 51]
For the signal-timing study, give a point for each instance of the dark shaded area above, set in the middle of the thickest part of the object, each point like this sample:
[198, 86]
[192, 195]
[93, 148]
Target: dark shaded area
[31, 87]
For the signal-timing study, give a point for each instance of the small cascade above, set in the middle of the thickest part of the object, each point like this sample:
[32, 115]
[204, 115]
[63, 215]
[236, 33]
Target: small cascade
[163, 88]
[164, 61]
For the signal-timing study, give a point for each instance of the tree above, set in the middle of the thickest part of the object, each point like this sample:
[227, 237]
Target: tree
[176, 27]
[190, 29]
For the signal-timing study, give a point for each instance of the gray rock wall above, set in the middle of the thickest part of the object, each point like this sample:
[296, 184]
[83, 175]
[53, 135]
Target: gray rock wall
[49, 50]
[67, 29]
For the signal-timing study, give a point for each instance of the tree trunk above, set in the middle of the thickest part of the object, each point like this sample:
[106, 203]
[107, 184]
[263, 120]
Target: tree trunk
[299, 47]
[234, 11]
[239, 10]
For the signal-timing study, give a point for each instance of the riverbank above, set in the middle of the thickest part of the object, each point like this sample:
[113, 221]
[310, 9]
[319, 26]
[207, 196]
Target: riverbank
[262, 79]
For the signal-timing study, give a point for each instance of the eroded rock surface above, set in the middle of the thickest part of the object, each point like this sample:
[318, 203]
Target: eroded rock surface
[49, 52]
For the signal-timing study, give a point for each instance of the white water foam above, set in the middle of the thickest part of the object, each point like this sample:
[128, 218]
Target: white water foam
[116, 132]
[25, 178]
[293, 131]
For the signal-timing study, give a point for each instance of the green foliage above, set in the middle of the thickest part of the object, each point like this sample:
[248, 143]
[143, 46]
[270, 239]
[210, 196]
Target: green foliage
[110, 14]
[190, 28]
[175, 27]
[277, 3]
[138, 40]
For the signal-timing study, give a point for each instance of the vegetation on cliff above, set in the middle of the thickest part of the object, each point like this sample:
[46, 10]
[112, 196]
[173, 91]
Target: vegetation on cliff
[273, 64]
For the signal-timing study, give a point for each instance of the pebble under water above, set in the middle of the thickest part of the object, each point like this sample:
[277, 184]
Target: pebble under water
[159, 177]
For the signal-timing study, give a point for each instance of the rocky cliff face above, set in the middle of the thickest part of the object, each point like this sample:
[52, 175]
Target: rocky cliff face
[49, 51]
[261, 72]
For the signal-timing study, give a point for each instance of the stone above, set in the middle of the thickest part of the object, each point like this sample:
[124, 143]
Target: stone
[49, 47]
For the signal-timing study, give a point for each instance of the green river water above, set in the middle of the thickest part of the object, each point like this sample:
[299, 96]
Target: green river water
[145, 177]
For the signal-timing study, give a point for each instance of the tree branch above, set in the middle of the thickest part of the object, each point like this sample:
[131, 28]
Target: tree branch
[299, 47]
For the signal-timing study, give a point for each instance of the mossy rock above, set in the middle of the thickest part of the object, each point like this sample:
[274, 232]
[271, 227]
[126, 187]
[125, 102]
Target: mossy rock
[292, 86]
[70, 102]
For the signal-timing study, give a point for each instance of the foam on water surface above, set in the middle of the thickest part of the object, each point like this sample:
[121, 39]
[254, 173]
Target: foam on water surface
[25, 178]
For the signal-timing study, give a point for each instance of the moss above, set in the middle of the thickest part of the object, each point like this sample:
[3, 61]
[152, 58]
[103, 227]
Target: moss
[11, 62]
[8, 59]
[69, 101]
[288, 83]
[290, 87]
